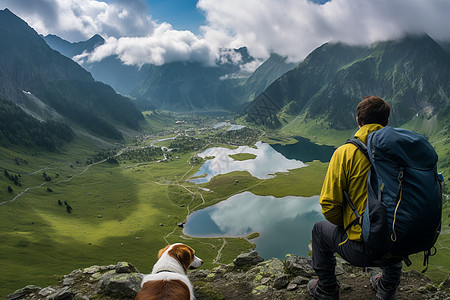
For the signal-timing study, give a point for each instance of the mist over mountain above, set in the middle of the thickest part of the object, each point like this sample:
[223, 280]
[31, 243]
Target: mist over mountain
[71, 49]
[181, 86]
[411, 73]
[28, 66]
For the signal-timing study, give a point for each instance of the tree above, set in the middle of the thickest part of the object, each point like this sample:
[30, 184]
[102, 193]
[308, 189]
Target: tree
[10, 190]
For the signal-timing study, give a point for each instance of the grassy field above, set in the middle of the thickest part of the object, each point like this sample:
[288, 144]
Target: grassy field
[119, 213]
[128, 212]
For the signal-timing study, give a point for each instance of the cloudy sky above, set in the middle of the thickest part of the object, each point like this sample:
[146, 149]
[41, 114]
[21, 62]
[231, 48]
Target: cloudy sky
[160, 31]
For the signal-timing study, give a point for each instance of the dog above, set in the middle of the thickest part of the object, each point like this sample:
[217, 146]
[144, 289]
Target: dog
[169, 280]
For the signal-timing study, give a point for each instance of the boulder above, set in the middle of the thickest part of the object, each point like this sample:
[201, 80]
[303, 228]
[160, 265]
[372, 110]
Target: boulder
[299, 266]
[281, 281]
[21, 293]
[124, 267]
[248, 259]
[64, 293]
[121, 285]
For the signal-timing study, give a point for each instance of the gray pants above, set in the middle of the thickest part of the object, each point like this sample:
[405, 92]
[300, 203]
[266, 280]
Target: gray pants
[326, 238]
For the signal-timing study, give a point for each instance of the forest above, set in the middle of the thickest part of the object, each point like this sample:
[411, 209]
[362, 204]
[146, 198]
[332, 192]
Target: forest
[18, 128]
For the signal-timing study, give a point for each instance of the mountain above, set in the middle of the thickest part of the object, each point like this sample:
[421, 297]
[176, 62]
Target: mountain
[111, 70]
[445, 45]
[411, 73]
[265, 74]
[19, 128]
[28, 66]
[185, 87]
[72, 49]
[180, 86]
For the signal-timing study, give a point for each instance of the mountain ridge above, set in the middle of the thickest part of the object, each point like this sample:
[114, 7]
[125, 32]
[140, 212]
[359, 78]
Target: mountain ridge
[182, 86]
[29, 66]
[330, 82]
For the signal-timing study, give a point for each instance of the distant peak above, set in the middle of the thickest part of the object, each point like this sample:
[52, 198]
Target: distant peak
[97, 38]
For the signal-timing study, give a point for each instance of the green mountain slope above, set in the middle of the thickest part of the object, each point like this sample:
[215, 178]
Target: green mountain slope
[264, 75]
[29, 65]
[411, 74]
[19, 128]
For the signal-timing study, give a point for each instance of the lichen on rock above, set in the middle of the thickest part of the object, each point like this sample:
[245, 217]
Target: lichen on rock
[248, 277]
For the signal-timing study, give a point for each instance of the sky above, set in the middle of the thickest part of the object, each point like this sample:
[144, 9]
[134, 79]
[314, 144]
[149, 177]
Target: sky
[162, 31]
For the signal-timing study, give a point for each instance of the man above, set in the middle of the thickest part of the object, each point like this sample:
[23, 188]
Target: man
[348, 172]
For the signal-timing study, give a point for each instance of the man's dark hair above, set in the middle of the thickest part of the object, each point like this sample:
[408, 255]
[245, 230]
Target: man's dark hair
[373, 109]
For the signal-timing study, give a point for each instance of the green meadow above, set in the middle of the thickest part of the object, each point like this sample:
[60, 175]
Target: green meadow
[121, 212]
[127, 211]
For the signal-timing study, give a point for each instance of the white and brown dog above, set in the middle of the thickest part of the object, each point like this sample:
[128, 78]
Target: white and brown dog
[169, 279]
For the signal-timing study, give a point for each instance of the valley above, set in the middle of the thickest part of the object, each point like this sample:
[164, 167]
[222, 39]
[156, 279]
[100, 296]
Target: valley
[127, 202]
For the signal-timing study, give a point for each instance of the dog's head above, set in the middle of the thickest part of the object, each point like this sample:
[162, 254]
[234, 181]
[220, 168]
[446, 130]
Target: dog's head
[184, 254]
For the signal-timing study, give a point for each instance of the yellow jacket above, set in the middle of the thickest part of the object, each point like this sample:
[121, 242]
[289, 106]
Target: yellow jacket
[347, 171]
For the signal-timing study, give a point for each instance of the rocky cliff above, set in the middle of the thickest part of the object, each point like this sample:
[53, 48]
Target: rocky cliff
[248, 277]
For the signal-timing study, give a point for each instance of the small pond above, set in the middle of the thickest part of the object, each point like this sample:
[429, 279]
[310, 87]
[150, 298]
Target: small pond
[305, 150]
[263, 166]
[285, 224]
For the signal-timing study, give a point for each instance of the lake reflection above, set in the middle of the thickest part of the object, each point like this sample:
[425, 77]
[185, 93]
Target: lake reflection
[285, 224]
[267, 162]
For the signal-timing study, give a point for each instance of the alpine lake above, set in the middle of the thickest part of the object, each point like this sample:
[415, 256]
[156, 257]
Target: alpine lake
[284, 224]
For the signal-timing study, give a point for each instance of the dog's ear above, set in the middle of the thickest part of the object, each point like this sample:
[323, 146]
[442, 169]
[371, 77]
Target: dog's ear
[160, 253]
[184, 254]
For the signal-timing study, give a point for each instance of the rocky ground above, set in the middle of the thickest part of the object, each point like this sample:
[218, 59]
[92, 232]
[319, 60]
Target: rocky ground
[248, 277]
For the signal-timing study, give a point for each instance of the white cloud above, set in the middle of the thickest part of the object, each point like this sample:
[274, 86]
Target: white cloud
[164, 45]
[76, 20]
[295, 27]
[290, 28]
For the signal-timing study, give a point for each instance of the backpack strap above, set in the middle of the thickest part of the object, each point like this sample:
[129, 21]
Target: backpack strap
[361, 146]
[358, 219]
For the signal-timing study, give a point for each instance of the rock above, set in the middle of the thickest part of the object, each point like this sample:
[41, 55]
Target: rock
[80, 296]
[281, 281]
[121, 285]
[273, 279]
[46, 291]
[422, 289]
[271, 267]
[124, 267]
[68, 281]
[91, 270]
[21, 293]
[96, 277]
[248, 259]
[300, 280]
[61, 294]
[445, 284]
[260, 290]
[299, 266]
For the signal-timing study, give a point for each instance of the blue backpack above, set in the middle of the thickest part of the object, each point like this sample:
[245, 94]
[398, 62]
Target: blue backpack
[404, 195]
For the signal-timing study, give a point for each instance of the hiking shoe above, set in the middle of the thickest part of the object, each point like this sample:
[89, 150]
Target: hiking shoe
[322, 293]
[384, 291]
